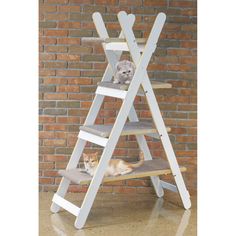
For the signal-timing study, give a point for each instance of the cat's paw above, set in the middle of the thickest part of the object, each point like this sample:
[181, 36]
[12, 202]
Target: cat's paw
[115, 81]
[127, 82]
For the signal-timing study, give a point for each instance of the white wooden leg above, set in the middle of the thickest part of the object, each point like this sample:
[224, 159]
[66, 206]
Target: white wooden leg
[147, 155]
[64, 185]
[160, 126]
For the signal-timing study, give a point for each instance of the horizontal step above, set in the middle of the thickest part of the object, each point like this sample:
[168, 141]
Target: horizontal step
[154, 167]
[124, 87]
[88, 136]
[111, 92]
[111, 40]
[130, 128]
[118, 46]
[73, 209]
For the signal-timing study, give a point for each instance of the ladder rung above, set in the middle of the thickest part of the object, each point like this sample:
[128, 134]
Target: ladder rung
[169, 186]
[66, 204]
[118, 46]
[110, 40]
[111, 92]
[130, 128]
[93, 138]
[154, 167]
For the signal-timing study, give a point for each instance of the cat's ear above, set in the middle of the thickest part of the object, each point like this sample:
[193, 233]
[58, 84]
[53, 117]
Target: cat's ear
[117, 66]
[132, 65]
[85, 155]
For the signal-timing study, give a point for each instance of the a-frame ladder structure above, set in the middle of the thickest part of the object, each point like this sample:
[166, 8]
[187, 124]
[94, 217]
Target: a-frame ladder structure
[107, 136]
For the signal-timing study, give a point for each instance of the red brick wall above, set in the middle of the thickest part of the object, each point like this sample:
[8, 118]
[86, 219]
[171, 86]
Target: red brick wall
[70, 70]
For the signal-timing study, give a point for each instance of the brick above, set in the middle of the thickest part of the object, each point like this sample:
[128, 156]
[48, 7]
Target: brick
[80, 33]
[80, 17]
[69, 41]
[52, 65]
[189, 27]
[47, 119]
[54, 142]
[69, 8]
[57, 17]
[92, 73]
[56, 1]
[46, 150]
[80, 96]
[181, 4]
[47, 41]
[55, 111]
[77, 112]
[154, 3]
[56, 33]
[46, 104]
[55, 127]
[46, 134]
[181, 19]
[80, 49]
[82, 1]
[55, 96]
[68, 57]
[179, 52]
[131, 3]
[82, 81]
[69, 25]
[79, 65]
[44, 72]
[106, 2]
[68, 72]
[71, 88]
[50, 173]
[52, 158]
[92, 9]
[68, 104]
[188, 60]
[47, 8]
[47, 180]
[47, 24]
[188, 44]
[47, 88]
[46, 56]
[55, 81]
[56, 49]
[68, 120]
[64, 150]
[93, 58]
[186, 139]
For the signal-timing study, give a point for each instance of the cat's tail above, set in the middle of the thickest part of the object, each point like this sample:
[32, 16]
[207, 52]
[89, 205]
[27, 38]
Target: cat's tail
[139, 163]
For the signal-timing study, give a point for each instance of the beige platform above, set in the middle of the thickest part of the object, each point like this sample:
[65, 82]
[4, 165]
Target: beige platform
[130, 128]
[155, 85]
[149, 168]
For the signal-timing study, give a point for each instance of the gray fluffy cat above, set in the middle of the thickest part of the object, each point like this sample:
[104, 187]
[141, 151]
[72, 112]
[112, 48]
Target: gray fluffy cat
[124, 72]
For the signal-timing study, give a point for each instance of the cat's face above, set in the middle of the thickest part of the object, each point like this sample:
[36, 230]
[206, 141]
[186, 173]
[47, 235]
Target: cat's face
[125, 69]
[90, 160]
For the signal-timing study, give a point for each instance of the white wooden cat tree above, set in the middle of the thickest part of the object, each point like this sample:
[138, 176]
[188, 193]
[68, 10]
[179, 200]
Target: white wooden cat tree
[107, 136]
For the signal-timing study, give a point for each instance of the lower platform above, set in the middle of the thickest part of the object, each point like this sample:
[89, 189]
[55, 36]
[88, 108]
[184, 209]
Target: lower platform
[149, 168]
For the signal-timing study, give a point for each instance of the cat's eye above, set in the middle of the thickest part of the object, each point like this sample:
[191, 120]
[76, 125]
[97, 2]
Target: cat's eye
[129, 71]
[123, 72]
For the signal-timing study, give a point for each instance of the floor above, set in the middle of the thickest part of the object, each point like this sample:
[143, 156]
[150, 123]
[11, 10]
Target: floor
[121, 215]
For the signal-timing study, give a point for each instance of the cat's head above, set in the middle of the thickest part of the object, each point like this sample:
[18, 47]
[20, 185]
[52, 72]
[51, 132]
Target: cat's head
[90, 160]
[125, 69]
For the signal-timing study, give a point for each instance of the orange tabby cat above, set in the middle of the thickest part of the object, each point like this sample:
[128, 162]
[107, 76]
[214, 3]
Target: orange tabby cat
[115, 167]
